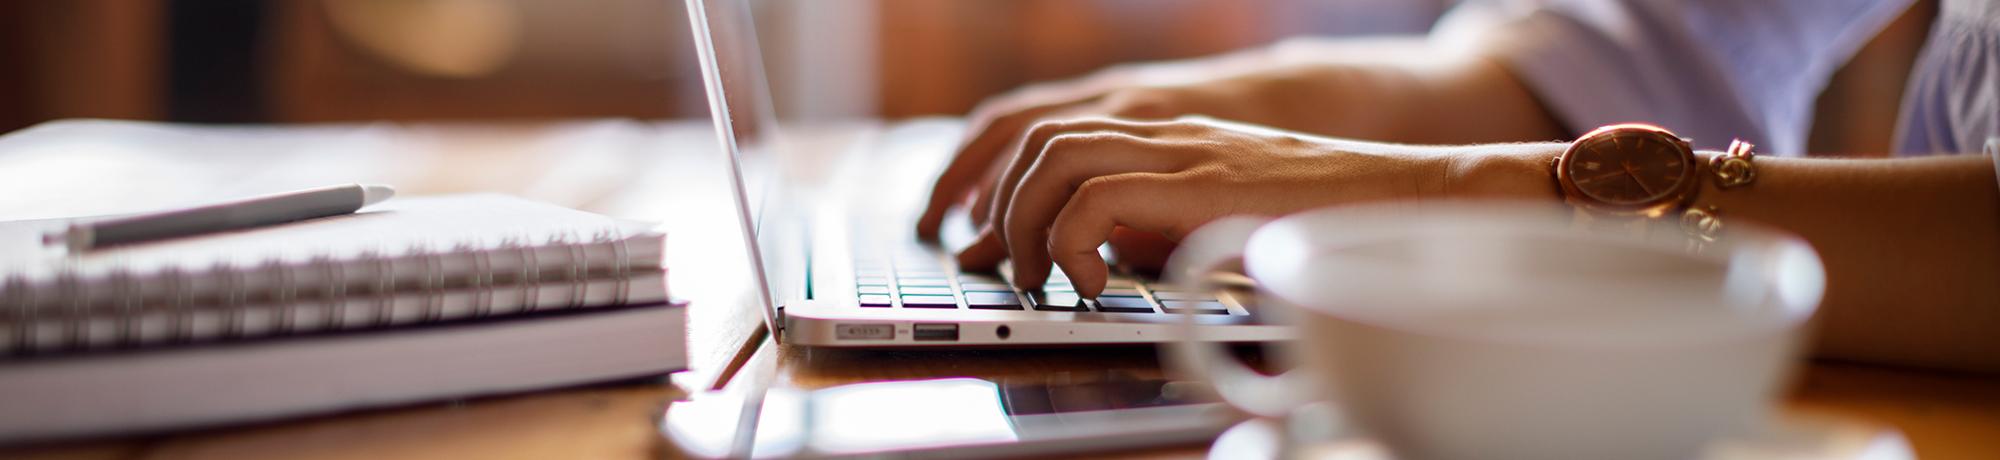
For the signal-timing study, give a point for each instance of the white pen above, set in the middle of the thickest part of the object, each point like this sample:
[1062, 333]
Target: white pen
[249, 212]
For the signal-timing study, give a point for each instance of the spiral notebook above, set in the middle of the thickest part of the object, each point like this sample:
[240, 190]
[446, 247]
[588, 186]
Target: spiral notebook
[414, 299]
[412, 260]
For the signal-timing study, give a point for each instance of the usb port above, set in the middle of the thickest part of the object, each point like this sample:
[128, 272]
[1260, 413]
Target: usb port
[935, 332]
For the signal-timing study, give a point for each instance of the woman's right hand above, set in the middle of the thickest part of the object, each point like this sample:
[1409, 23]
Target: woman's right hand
[998, 125]
[1394, 90]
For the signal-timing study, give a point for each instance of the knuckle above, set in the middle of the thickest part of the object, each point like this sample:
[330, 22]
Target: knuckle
[1074, 144]
[1068, 144]
[1058, 150]
[1095, 191]
[1051, 131]
[1045, 131]
[1068, 148]
[1061, 150]
[1187, 125]
[1070, 141]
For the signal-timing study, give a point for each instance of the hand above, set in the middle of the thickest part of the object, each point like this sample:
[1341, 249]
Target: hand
[999, 124]
[1075, 182]
[1404, 90]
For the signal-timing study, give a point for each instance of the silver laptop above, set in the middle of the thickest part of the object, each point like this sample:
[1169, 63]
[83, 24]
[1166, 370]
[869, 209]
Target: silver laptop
[831, 241]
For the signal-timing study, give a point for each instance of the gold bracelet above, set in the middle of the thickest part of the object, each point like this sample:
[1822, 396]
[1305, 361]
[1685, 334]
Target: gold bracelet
[1731, 169]
[1702, 227]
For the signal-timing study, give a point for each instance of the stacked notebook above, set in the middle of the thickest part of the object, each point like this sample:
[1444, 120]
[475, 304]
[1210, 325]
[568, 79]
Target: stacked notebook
[414, 299]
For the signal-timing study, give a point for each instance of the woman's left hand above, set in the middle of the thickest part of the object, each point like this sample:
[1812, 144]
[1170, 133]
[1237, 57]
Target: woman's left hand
[1076, 182]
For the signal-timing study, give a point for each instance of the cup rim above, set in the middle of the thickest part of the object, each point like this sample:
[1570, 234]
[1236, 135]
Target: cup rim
[1796, 293]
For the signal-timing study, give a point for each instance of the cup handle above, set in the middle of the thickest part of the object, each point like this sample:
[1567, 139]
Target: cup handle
[1191, 267]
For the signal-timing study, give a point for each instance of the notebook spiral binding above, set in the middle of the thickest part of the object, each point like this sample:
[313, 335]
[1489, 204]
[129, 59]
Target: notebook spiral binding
[128, 318]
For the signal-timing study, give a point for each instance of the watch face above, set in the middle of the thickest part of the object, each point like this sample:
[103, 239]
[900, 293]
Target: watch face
[1629, 168]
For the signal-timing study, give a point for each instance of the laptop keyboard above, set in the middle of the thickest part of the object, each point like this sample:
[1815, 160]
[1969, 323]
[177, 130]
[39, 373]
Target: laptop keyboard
[916, 276]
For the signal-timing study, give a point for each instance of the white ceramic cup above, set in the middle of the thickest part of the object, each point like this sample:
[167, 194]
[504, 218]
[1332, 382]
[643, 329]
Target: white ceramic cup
[1501, 331]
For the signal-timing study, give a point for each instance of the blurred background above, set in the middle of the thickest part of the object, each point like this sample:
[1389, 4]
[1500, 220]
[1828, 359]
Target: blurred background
[289, 61]
[236, 61]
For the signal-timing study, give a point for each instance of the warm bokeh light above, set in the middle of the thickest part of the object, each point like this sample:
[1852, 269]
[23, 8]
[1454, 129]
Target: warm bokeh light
[324, 60]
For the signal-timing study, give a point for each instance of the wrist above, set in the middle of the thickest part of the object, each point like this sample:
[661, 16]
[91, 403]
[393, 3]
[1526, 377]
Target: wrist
[1510, 171]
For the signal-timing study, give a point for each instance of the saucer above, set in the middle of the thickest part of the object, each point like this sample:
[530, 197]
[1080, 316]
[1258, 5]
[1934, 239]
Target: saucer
[1792, 436]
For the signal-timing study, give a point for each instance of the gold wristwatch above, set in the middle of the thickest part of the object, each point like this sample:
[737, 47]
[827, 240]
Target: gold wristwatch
[1636, 175]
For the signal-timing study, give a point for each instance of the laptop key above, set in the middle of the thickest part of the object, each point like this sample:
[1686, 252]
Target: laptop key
[876, 301]
[1180, 295]
[929, 301]
[1121, 284]
[992, 300]
[872, 290]
[927, 290]
[1057, 301]
[1120, 292]
[871, 280]
[926, 282]
[1202, 306]
[1124, 304]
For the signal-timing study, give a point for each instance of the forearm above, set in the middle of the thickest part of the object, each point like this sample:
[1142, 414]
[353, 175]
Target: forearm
[1383, 89]
[1911, 247]
[1403, 90]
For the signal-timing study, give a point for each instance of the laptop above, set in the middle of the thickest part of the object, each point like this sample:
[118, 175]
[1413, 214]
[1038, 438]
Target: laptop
[832, 244]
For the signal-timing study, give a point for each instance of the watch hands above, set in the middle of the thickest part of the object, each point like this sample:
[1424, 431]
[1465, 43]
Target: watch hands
[1599, 177]
[1634, 172]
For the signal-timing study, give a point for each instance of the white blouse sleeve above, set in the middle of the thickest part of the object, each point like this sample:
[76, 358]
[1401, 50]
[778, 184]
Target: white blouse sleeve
[1711, 70]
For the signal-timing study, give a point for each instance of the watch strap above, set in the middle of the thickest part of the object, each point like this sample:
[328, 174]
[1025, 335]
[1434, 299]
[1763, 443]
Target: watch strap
[1698, 225]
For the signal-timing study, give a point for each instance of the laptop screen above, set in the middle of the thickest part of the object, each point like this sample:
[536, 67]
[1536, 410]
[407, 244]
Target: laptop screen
[740, 105]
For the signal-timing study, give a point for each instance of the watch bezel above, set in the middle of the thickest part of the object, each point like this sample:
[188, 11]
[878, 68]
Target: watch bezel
[1683, 190]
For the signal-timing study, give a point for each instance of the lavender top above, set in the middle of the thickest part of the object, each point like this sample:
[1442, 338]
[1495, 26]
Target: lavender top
[1715, 70]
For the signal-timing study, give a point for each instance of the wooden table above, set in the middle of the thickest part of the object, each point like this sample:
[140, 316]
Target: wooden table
[657, 171]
